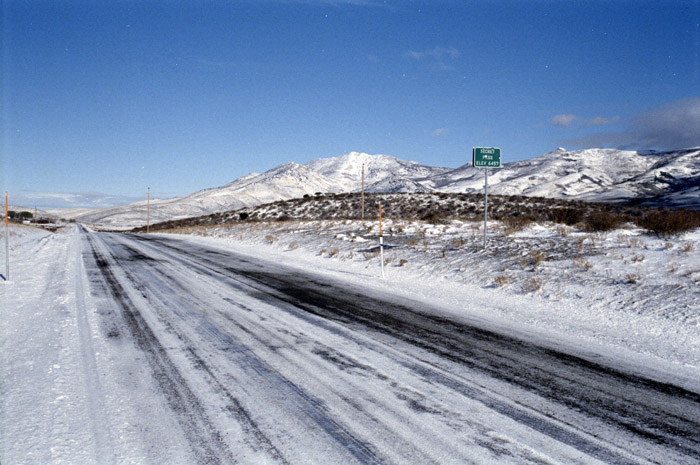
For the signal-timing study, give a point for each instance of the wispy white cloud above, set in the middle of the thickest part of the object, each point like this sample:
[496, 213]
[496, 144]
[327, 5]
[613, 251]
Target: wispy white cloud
[674, 125]
[602, 121]
[563, 120]
[437, 53]
[71, 199]
[620, 140]
[571, 119]
[440, 132]
[438, 56]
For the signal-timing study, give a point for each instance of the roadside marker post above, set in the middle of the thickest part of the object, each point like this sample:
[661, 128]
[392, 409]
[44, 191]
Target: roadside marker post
[381, 240]
[7, 243]
[486, 157]
[148, 212]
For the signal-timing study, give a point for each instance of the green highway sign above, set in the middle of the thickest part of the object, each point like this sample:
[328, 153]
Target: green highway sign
[486, 157]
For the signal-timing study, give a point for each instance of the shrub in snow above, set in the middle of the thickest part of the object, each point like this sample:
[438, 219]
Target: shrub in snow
[568, 216]
[434, 218]
[666, 223]
[603, 221]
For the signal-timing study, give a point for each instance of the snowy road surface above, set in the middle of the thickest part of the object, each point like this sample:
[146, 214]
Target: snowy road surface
[190, 354]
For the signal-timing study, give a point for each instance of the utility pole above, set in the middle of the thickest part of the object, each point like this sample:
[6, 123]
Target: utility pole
[363, 191]
[148, 212]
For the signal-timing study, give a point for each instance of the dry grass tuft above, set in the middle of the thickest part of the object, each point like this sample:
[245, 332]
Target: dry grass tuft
[533, 284]
[533, 260]
[370, 255]
[582, 263]
[514, 224]
[458, 243]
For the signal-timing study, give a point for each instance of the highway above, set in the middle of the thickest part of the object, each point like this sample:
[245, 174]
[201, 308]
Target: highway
[259, 363]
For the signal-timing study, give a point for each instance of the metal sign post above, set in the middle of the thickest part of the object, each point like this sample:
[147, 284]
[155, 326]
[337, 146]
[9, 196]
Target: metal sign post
[486, 202]
[486, 157]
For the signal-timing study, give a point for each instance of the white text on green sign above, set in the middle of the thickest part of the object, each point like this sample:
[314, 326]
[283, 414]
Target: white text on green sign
[486, 157]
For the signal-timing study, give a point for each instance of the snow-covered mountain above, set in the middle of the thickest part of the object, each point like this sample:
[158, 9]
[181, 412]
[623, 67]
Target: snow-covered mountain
[660, 178]
[383, 173]
[654, 178]
[290, 180]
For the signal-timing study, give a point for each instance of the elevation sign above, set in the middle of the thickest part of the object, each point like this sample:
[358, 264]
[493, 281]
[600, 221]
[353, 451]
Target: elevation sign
[486, 157]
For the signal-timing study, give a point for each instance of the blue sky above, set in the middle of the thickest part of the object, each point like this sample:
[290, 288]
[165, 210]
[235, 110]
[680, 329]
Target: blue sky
[101, 100]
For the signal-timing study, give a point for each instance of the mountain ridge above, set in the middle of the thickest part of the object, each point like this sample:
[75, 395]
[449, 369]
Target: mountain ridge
[605, 175]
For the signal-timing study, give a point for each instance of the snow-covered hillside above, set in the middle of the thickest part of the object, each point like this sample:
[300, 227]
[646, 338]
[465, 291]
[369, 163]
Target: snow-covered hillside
[290, 180]
[284, 182]
[652, 178]
[592, 174]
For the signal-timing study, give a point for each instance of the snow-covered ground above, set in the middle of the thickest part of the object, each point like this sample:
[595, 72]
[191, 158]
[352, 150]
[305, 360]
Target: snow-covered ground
[45, 390]
[54, 384]
[623, 293]
[622, 298]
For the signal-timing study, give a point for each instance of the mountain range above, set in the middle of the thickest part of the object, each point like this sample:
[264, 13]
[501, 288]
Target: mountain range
[652, 178]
